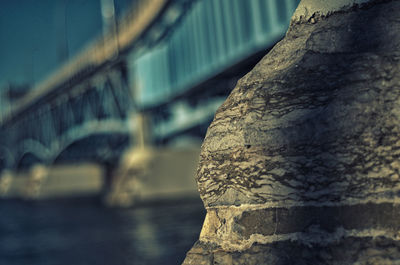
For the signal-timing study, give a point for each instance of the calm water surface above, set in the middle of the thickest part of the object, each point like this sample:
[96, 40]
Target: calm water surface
[83, 232]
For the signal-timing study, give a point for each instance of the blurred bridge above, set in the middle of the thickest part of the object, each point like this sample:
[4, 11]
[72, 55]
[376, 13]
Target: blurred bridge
[168, 64]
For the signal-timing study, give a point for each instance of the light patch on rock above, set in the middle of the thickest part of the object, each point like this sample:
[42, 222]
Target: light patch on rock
[309, 8]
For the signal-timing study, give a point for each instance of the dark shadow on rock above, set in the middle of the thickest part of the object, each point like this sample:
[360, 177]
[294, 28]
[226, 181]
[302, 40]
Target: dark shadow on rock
[345, 93]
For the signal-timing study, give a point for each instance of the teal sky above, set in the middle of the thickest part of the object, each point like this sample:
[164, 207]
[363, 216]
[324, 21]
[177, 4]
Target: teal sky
[37, 36]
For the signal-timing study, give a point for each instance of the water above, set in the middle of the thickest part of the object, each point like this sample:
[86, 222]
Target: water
[83, 232]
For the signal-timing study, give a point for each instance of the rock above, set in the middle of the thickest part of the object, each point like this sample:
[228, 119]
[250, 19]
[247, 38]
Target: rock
[297, 166]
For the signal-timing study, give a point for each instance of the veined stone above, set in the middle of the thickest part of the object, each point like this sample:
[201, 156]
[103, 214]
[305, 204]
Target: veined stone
[300, 165]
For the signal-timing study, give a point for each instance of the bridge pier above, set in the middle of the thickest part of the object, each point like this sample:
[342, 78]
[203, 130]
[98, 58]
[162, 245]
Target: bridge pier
[300, 165]
[37, 177]
[126, 178]
[25, 185]
[146, 172]
[43, 182]
[6, 179]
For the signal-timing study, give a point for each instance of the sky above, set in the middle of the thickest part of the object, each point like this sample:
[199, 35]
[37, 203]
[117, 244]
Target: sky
[37, 36]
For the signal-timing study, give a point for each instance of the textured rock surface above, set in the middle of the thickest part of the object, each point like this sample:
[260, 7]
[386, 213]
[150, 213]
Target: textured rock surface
[301, 163]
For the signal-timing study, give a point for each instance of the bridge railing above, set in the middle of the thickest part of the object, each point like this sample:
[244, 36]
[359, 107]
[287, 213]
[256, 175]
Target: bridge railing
[214, 35]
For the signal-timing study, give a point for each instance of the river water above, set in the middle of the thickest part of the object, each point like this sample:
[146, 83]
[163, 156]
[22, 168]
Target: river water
[83, 232]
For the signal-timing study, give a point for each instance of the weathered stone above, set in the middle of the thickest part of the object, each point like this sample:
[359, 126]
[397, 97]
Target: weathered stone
[350, 250]
[300, 165]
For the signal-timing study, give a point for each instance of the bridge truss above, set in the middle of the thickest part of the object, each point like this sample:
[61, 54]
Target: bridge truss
[173, 60]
